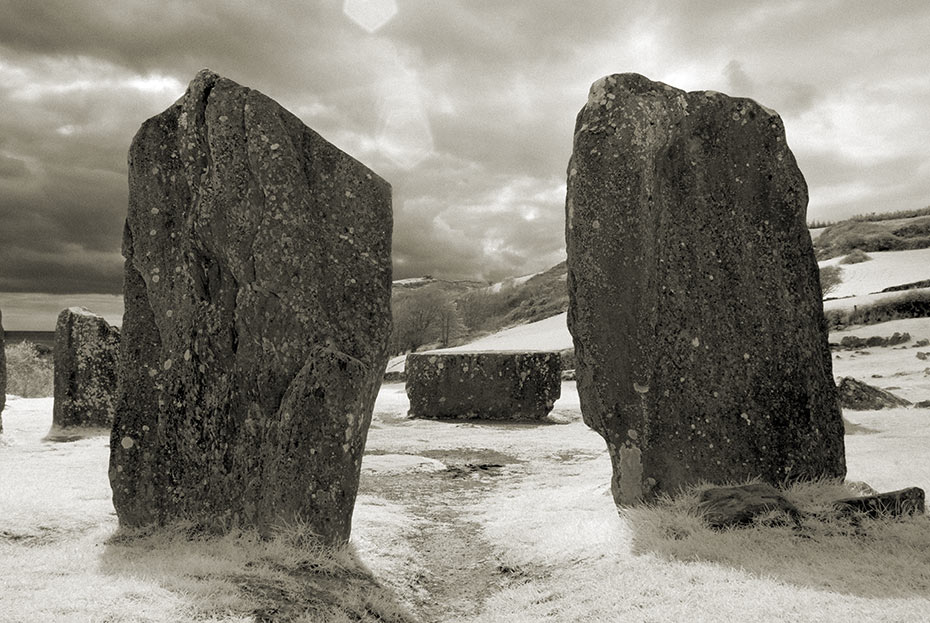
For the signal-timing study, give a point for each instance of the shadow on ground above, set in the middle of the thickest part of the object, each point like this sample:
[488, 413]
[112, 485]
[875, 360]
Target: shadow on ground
[240, 576]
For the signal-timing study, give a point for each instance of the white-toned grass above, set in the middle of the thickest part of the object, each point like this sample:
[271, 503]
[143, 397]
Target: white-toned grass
[62, 557]
[885, 269]
[547, 334]
[584, 561]
[563, 551]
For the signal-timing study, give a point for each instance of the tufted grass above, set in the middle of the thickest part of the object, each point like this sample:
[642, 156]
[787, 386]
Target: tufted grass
[544, 540]
[179, 574]
[660, 562]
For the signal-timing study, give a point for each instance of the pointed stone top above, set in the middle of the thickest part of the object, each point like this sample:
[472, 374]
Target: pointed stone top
[81, 311]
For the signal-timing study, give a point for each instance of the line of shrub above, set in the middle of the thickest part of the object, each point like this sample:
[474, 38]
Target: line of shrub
[29, 374]
[910, 305]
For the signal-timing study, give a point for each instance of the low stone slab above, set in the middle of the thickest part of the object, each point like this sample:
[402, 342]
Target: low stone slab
[892, 504]
[485, 385]
[861, 396]
[86, 370]
[726, 507]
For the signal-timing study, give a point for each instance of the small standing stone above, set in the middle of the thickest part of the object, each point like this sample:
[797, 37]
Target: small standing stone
[694, 295]
[86, 367]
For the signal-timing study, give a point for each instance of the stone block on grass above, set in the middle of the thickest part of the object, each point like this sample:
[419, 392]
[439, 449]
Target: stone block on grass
[483, 385]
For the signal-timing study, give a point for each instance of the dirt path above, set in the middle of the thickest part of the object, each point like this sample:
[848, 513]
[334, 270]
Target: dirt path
[456, 568]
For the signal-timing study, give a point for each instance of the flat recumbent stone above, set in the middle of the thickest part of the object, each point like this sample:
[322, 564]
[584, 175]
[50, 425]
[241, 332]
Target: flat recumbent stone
[485, 385]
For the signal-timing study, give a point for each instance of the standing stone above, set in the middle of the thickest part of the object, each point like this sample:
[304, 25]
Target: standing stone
[695, 301]
[2, 371]
[257, 293]
[86, 366]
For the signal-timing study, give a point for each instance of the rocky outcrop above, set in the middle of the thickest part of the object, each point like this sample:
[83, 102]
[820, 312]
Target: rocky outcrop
[257, 294]
[854, 342]
[695, 303]
[861, 396]
[86, 368]
[486, 385]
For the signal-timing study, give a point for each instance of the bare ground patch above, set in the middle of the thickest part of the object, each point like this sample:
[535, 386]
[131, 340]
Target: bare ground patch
[456, 569]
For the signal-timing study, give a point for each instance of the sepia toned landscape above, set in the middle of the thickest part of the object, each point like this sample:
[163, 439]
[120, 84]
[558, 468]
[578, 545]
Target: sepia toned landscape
[463, 312]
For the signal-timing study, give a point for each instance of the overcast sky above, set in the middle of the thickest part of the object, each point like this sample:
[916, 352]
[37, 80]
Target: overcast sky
[466, 107]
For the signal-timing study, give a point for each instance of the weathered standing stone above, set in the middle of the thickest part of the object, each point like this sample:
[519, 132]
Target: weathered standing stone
[2, 371]
[486, 385]
[257, 293]
[695, 301]
[86, 367]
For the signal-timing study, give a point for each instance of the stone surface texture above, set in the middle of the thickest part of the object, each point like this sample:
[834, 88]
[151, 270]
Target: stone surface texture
[727, 507]
[695, 303]
[485, 385]
[86, 367]
[2, 372]
[257, 293]
[861, 396]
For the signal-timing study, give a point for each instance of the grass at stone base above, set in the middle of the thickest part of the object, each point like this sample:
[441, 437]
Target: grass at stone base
[662, 563]
[63, 558]
[559, 548]
[174, 574]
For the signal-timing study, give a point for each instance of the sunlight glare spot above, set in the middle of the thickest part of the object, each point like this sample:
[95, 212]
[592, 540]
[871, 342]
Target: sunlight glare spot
[155, 84]
[370, 14]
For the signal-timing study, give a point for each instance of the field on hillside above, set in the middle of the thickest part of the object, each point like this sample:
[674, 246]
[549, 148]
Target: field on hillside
[884, 269]
[475, 522]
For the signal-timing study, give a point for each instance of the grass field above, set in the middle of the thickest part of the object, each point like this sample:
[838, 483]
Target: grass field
[475, 522]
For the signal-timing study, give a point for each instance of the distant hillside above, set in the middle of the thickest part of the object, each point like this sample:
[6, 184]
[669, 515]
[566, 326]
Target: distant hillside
[438, 313]
[892, 234]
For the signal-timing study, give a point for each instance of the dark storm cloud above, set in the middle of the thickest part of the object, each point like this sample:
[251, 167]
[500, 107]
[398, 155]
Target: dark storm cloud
[467, 107]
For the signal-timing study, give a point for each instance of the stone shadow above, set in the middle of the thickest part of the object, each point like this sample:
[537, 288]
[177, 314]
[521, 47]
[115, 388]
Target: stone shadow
[280, 579]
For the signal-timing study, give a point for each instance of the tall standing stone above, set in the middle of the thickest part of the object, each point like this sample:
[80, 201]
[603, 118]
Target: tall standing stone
[2, 371]
[257, 293]
[86, 366]
[695, 302]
